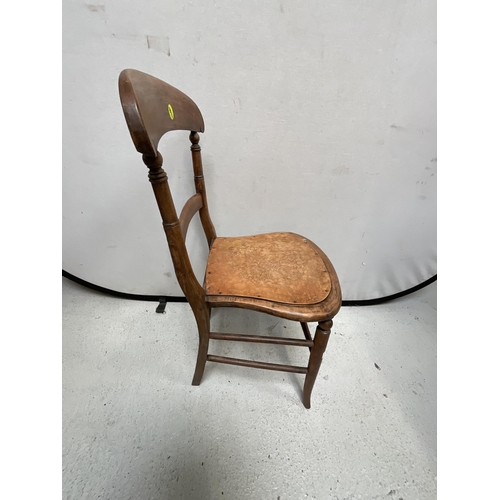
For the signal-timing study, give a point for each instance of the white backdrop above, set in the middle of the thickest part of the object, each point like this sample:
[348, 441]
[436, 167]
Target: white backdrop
[320, 119]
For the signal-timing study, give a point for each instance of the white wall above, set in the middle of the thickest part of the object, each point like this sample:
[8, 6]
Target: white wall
[320, 119]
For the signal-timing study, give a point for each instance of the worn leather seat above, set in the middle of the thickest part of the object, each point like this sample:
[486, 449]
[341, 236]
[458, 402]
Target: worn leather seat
[284, 269]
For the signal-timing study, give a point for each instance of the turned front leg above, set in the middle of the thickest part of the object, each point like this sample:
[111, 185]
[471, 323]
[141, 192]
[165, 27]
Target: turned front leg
[320, 342]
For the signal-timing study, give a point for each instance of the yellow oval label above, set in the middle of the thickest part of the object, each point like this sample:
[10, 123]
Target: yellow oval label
[171, 111]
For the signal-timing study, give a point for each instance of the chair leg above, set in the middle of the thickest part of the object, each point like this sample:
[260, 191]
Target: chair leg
[201, 361]
[203, 331]
[320, 341]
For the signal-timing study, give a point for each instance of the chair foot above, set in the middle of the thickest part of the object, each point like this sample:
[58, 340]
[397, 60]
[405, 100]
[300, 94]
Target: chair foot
[320, 341]
[200, 362]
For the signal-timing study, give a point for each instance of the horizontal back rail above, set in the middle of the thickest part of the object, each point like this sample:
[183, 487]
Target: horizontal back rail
[256, 364]
[260, 339]
[190, 208]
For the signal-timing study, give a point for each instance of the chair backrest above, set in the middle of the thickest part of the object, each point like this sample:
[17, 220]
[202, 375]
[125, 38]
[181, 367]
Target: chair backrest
[152, 108]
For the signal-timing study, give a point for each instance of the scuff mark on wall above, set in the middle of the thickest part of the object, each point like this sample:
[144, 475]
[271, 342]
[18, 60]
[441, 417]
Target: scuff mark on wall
[159, 43]
[96, 8]
[342, 169]
[398, 127]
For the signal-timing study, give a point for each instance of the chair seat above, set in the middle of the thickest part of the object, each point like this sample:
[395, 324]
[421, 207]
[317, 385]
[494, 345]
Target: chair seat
[283, 272]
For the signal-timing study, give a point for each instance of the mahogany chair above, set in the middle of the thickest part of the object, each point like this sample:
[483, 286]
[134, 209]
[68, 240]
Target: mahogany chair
[282, 274]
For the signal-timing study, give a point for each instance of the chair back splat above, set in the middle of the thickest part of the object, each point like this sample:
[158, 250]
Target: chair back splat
[282, 274]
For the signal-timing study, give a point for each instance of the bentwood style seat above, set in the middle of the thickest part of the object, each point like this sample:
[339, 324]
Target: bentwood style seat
[282, 274]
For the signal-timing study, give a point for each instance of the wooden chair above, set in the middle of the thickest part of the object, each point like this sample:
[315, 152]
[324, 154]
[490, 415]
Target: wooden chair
[282, 274]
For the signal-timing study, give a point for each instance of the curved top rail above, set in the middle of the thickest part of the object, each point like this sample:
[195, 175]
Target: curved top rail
[153, 107]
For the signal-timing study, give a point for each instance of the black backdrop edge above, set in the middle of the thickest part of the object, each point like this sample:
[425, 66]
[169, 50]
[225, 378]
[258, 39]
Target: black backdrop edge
[166, 298]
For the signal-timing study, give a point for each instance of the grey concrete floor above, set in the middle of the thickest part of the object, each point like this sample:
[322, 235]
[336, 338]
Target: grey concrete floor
[134, 427]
